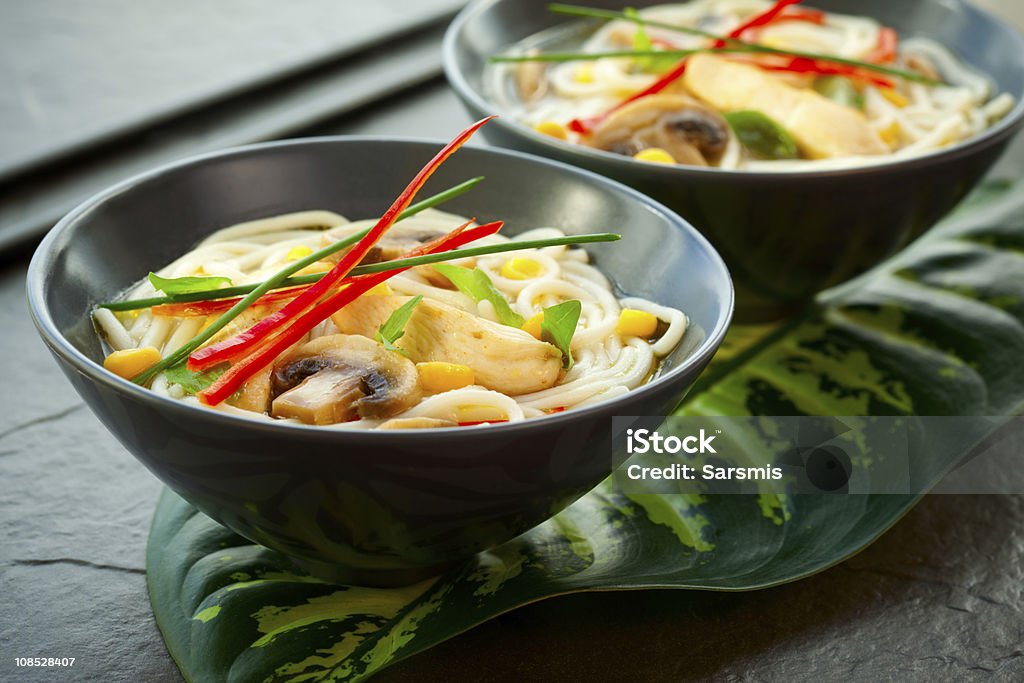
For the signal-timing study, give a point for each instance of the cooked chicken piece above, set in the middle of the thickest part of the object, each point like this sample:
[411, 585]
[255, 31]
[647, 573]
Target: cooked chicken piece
[341, 377]
[822, 128]
[503, 358]
[255, 393]
[691, 132]
[417, 423]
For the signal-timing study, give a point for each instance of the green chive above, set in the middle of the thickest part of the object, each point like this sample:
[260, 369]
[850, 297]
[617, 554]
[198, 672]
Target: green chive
[381, 267]
[738, 46]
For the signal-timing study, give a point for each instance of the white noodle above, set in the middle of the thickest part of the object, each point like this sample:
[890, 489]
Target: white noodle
[113, 330]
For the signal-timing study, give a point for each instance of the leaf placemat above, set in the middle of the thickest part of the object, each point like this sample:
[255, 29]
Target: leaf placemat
[937, 330]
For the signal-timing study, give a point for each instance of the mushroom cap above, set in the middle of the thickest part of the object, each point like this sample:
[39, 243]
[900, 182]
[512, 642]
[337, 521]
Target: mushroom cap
[693, 133]
[341, 377]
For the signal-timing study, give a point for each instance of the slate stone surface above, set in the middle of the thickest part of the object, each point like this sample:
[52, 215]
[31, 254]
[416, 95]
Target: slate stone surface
[71, 73]
[939, 597]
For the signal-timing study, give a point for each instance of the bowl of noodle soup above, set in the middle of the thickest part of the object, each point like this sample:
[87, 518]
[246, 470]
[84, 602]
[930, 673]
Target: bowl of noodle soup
[865, 168]
[358, 501]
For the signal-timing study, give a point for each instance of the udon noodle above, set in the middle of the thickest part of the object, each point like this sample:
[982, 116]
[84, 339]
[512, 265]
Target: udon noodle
[881, 122]
[608, 362]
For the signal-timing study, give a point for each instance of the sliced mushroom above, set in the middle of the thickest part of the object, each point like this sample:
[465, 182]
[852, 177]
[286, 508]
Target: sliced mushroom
[692, 133]
[417, 423]
[343, 377]
[531, 79]
[503, 358]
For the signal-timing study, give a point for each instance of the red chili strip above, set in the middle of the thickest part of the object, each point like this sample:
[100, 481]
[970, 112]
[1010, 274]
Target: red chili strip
[195, 309]
[886, 50]
[236, 346]
[759, 20]
[811, 16]
[824, 68]
[229, 382]
[585, 126]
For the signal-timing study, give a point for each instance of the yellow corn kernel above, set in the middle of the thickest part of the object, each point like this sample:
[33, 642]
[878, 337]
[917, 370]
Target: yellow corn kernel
[295, 253]
[552, 129]
[128, 363]
[654, 155]
[892, 134]
[533, 325]
[380, 289]
[520, 268]
[634, 323]
[436, 376]
[894, 97]
[584, 73]
[316, 267]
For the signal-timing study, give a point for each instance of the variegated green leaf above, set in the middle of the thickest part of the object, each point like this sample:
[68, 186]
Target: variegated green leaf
[936, 331]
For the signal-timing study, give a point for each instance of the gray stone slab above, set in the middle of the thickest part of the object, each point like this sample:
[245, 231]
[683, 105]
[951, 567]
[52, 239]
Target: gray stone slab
[74, 73]
[938, 597]
[31, 203]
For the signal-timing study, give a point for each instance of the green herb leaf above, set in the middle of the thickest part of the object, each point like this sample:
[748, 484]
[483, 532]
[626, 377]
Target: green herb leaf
[642, 42]
[559, 325]
[476, 285]
[840, 90]
[762, 135]
[186, 285]
[191, 382]
[394, 327]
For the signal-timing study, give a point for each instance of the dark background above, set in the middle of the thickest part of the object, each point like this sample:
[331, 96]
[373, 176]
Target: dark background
[93, 92]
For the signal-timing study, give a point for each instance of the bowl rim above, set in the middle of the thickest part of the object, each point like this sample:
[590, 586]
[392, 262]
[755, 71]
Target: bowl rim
[1004, 128]
[80, 362]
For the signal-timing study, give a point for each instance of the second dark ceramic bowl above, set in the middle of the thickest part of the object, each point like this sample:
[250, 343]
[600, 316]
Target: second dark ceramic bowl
[785, 236]
[371, 507]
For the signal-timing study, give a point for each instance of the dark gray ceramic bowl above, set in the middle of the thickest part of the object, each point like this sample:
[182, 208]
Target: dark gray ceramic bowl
[785, 236]
[374, 507]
